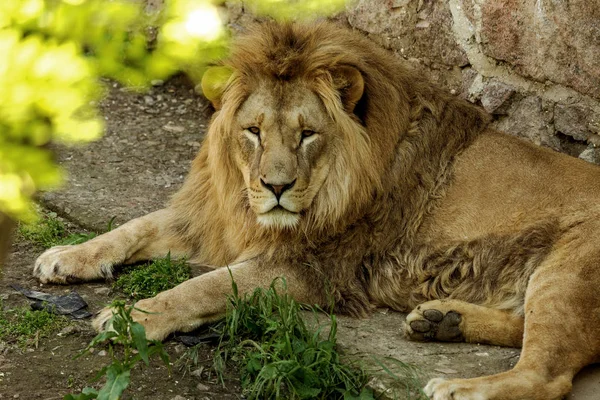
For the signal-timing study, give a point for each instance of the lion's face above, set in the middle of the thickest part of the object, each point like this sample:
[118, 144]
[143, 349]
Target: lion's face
[282, 139]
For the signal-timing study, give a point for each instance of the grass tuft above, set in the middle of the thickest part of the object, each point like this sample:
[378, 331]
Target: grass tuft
[50, 231]
[279, 356]
[23, 326]
[147, 280]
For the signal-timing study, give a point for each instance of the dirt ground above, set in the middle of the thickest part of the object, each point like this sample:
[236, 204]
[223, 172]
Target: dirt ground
[142, 159]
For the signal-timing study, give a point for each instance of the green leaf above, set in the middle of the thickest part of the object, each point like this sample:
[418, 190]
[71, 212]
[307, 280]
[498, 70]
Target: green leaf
[254, 364]
[117, 381]
[305, 391]
[138, 333]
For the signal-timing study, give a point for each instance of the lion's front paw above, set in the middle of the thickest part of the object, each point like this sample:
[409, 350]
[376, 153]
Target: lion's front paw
[441, 389]
[66, 264]
[432, 321]
[147, 312]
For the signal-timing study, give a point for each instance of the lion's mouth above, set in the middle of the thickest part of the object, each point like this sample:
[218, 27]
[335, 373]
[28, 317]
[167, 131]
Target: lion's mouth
[280, 208]
[279, 217]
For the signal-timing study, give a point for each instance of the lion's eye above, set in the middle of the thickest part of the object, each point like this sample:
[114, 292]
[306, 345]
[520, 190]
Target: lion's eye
[254, 130]
[307, 133]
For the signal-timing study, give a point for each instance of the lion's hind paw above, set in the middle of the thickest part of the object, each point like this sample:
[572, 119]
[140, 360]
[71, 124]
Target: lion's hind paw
[429, 321]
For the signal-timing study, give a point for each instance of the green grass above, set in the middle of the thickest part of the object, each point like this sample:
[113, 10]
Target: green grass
[265, 336]
[23, 326]
[50, 231]
[147, 280]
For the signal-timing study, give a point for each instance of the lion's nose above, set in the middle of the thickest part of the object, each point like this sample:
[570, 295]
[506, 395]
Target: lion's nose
[277, 190]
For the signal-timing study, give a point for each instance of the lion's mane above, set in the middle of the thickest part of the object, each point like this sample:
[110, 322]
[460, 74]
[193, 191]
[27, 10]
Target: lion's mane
[394, 159]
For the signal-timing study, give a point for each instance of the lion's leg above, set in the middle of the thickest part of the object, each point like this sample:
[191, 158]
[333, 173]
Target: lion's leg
[562, 329]
[457, 321]
[139, 239]
[203, 299]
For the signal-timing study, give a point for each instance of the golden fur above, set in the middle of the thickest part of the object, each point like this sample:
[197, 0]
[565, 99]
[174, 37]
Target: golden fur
[331, 163]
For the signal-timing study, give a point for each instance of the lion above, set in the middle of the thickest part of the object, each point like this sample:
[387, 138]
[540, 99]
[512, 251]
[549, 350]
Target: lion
[331, 163]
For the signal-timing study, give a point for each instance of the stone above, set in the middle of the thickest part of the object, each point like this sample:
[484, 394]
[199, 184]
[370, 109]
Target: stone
[174, 128]
[148, 100]
[530, 118]
[545, 40]
[468, 77]
[591, 154]
[475, 89]
[572, 120]
[69, 330]
[415, 29]
[202, 388]
[495, 95]
[102, 290]
[446, 371]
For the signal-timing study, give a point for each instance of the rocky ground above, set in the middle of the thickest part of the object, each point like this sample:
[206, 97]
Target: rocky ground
[142, 159]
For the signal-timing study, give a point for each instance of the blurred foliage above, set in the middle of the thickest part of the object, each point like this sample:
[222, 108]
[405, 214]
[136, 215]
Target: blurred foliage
[53, 52]
[294, 9]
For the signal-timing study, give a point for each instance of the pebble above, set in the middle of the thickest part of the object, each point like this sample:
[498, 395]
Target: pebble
[178, 397]
[102, 290]
[102, 353]
[202, 388]
[197, 372]
[446, 371]
[174, 128]
[69, 330]
[179, 348]
[148, 100]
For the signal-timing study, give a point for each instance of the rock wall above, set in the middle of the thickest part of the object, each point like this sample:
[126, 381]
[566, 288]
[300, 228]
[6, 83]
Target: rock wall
[533, 64]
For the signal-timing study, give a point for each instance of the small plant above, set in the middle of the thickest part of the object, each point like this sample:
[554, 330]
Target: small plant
[279, 356]
[149, 279]
[131, 336]
[25, 326]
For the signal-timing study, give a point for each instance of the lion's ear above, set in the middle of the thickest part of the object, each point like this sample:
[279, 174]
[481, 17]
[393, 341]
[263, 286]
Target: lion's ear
[350, 84]
[214, 82]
